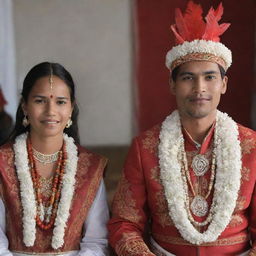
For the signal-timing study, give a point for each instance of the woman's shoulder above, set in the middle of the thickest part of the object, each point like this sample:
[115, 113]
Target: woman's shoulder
[82, 151]
[94, 163]
[6, 154]
[6, 148]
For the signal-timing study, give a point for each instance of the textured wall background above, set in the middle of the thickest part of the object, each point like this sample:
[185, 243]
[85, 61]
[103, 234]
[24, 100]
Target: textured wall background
[92, 39]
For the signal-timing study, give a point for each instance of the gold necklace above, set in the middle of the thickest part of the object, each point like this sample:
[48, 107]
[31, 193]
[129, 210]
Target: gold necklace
[199, 205]
[200, 163]
[45, 158]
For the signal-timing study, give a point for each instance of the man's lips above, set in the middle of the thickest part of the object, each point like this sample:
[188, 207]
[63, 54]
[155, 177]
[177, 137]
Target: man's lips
[199, 99]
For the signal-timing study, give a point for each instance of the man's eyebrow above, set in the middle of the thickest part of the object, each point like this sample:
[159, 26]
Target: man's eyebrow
[192, 74]
[210, 72]
[185, 73]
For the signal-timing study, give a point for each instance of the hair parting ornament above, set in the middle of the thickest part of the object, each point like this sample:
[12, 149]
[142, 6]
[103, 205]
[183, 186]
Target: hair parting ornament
[51, 82]
[198, 39]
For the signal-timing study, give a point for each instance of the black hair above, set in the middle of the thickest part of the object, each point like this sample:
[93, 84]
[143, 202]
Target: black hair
[41, 70]
[175, 72]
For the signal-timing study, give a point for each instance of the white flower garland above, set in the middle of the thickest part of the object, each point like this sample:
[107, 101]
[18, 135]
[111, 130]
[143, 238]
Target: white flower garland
[28, 200]
[227, 184]
[199, 46]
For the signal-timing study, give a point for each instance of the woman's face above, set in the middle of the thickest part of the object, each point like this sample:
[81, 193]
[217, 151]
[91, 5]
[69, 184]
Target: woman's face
[48, 107]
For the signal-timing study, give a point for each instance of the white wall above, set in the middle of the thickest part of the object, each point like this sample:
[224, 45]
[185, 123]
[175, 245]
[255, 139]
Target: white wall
[92, 39]
[7, 57]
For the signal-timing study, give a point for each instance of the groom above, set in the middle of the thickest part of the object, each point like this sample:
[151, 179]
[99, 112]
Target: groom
[192, 178]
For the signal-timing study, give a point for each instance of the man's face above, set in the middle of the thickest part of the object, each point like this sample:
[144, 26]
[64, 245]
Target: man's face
[198, 88]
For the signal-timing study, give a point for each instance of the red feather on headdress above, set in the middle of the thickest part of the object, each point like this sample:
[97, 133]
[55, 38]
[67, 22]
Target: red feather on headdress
[194, 20]
[191, 26]
[213, 30]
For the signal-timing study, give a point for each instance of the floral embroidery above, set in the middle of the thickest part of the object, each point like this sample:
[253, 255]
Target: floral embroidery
[236, 220]
[84, 163]
[241, 201]
[7, 156]
[247, 145]
[132, 244]
[155, 174]
[150, 142]
[124, 203]
[247, 132]
[245, 175]
[162, 210]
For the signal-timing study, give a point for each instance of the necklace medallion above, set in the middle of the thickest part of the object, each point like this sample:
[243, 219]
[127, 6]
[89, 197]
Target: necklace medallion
[200, 165]
[199, 206]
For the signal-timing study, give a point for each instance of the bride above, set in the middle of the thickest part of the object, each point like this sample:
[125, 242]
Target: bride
[52, 196]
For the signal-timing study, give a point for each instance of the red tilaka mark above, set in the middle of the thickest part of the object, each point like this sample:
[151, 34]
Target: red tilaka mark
[51, 96]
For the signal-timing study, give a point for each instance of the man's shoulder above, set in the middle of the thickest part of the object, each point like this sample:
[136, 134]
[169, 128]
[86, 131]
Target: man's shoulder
[148, 140]
[152, 132]
[245, 132]
[247, 139]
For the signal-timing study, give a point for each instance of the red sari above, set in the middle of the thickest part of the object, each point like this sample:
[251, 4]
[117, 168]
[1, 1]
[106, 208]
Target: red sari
[88, 177]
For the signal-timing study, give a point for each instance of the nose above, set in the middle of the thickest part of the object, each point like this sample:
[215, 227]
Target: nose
[50, 107]
[199, 85]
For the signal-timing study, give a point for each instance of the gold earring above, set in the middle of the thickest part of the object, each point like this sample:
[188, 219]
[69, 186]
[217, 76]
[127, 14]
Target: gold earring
[25, 121]
[69, 123]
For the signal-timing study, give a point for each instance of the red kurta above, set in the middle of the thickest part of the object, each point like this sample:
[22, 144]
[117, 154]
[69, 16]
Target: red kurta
[140, 199]
[88, 177]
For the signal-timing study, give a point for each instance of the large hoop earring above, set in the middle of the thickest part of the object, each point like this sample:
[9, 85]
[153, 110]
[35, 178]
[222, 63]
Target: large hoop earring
[25, 121]
[69, 123]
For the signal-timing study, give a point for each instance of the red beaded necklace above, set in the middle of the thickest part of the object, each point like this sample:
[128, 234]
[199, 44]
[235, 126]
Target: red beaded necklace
[47, 211]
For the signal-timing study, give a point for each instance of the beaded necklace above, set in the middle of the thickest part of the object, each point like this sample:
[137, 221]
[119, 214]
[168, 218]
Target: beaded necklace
[199, 205]
[47, 211]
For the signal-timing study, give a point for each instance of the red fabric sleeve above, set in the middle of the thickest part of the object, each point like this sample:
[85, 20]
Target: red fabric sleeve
[127, 225]
[252, 222]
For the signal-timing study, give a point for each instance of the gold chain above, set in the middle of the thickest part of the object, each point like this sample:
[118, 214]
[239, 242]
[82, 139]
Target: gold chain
[186, 179]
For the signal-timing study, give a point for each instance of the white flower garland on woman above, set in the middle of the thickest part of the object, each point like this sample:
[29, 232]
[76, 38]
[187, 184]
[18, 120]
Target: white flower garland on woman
[228, 154]
[28, 200]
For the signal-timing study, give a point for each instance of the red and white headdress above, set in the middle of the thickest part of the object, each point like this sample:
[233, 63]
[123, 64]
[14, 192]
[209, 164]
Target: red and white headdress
[197, 39]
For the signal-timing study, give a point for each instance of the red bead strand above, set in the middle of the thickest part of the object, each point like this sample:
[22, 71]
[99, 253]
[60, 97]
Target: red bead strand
[53, 201]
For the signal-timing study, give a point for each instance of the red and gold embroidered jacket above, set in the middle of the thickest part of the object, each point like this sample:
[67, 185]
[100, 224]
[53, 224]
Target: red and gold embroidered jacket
[88, 177]
[140, 200]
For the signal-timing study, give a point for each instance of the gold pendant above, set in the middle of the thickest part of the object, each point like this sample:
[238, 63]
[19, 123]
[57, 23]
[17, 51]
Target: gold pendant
[200, 165]
[199, 206]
